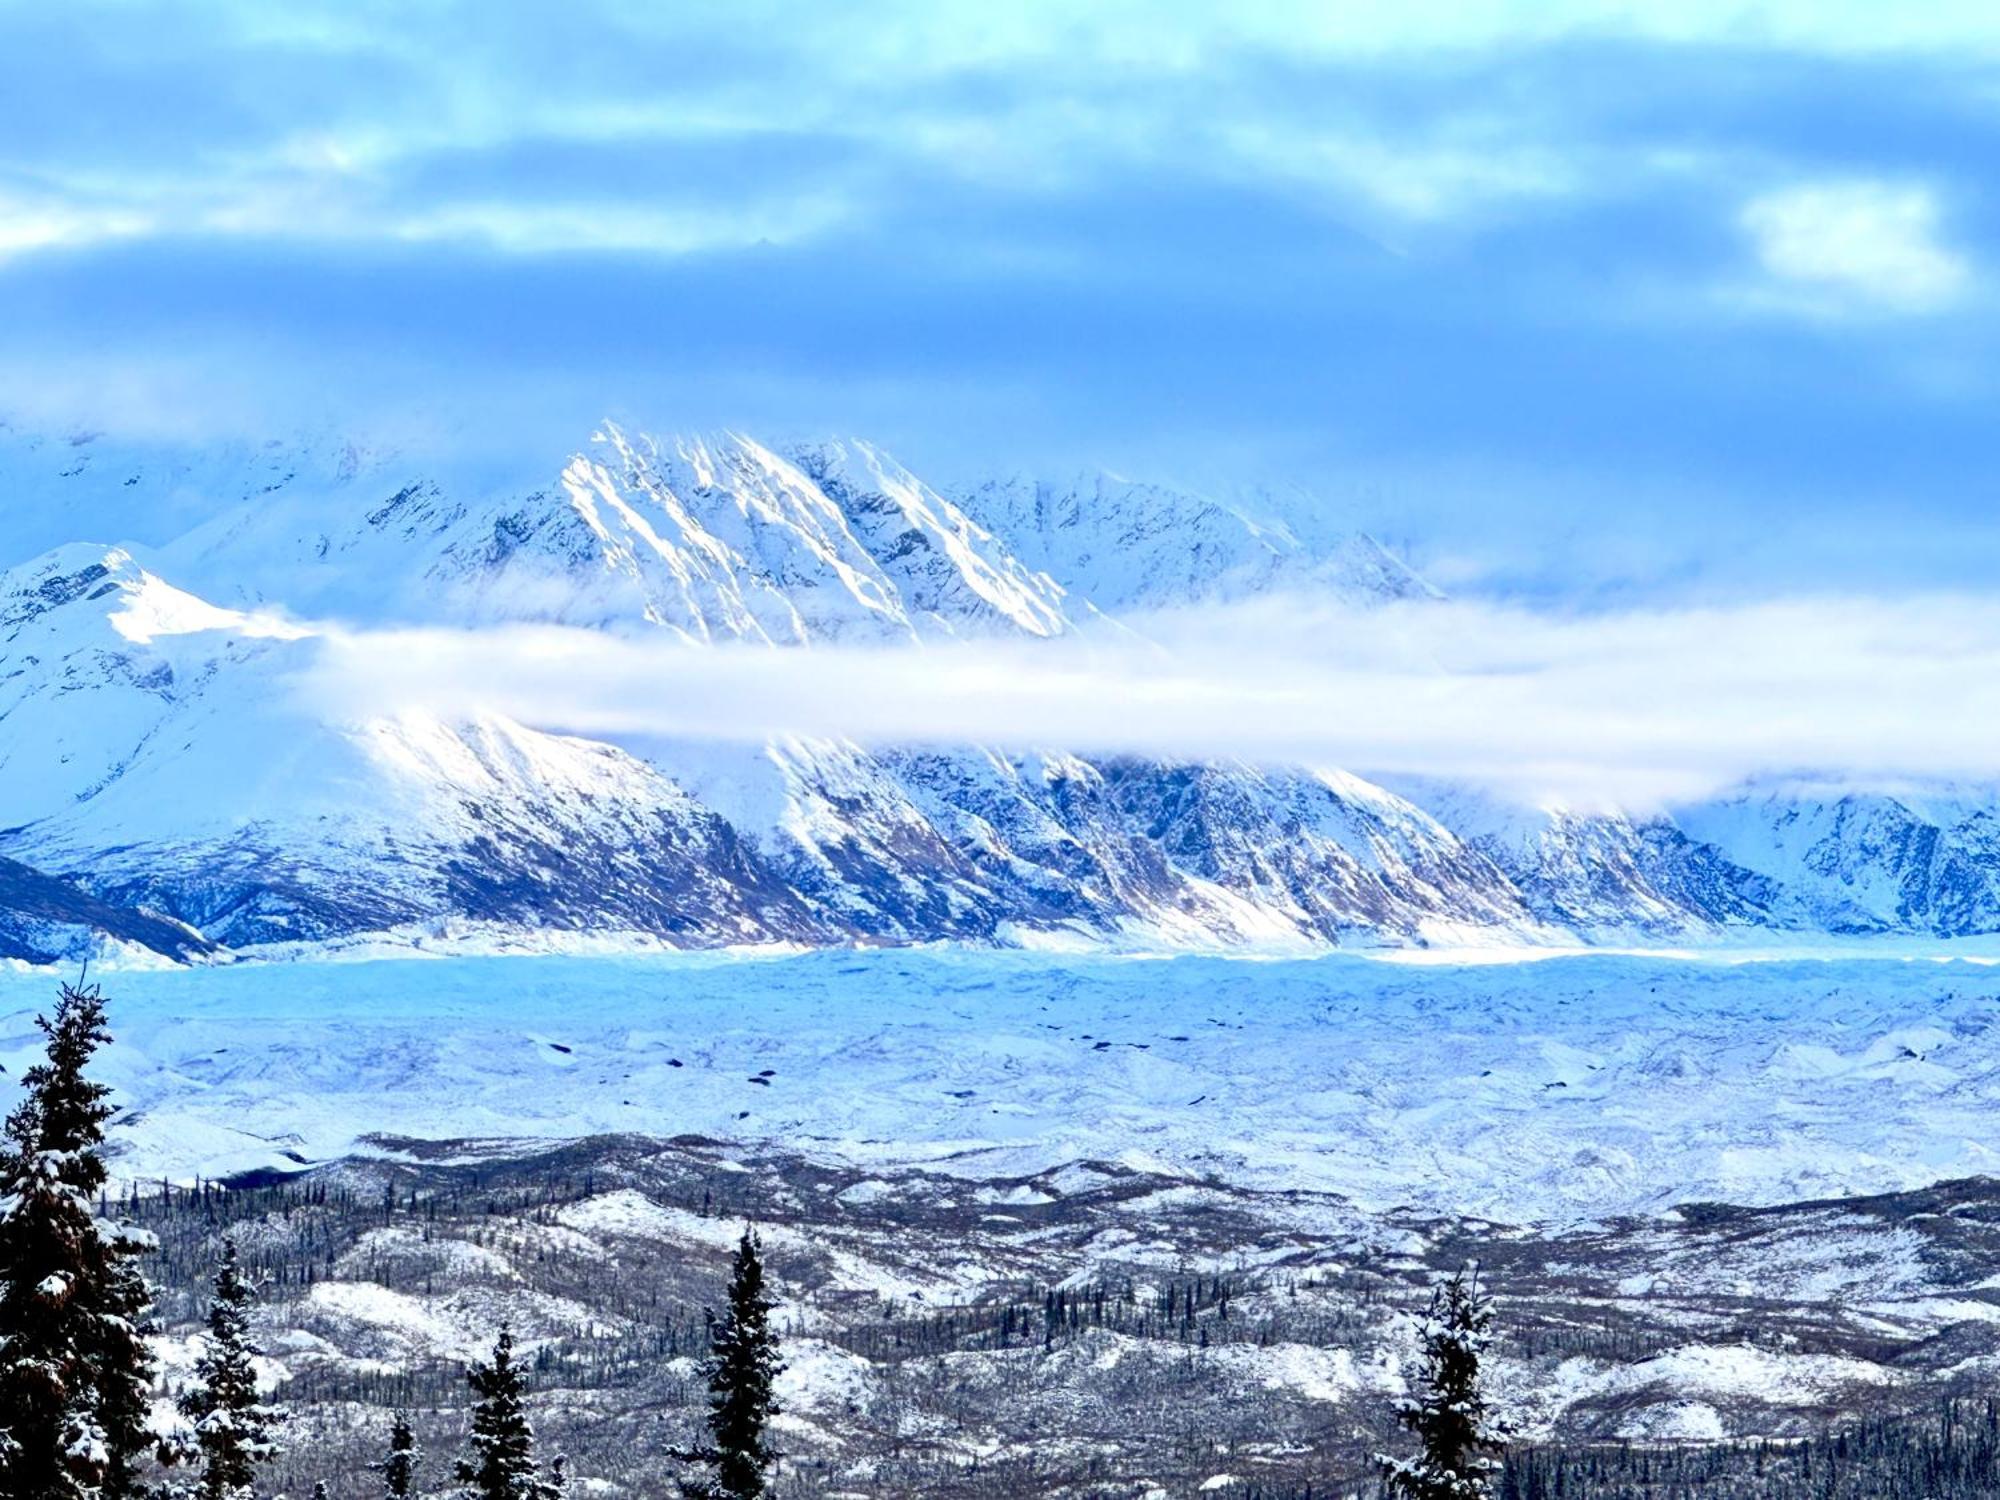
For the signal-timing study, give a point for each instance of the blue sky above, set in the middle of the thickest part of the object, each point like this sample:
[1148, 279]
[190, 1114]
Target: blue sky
[1596, 302]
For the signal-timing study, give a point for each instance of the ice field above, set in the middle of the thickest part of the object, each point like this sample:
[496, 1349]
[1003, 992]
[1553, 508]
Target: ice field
[1558, 1090]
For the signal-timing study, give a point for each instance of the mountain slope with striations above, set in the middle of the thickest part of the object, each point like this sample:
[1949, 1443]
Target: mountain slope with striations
[157, 758]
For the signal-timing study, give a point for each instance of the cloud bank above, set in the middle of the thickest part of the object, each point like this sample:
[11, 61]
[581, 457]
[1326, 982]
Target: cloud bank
[1634, 709]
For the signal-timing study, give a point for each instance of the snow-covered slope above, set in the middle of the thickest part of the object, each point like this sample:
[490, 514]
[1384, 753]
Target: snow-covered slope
[925, 843]
[719, 537]
[44, 920]
[60, 487]
[1127, 546]
[152, 748]
[713, 538]
[1603, 872]
[1854, 863]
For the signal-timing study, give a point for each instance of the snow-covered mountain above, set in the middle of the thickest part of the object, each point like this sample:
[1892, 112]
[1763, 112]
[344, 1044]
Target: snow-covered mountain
[153, 752]
[156, 758]
[1129, 546]
[711, 538]
[910, 844]
[1865, 863]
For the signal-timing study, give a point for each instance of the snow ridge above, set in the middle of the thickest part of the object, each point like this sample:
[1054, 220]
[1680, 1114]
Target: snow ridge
[153, 756]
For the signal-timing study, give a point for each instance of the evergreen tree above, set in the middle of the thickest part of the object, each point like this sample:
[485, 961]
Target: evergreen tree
[502, 1466]
[75, 1369]
[126, 1365]
[399, 1469]
[1460, 1440]
[743, 1362]
[234, 1431]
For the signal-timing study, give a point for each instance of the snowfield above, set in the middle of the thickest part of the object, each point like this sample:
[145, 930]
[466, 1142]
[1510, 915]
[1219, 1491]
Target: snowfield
[1559, 1091]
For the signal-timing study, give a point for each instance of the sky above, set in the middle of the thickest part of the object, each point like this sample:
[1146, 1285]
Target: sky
[1601, 305]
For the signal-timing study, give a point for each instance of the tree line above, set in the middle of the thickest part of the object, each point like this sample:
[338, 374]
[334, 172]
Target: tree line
[77, 1369]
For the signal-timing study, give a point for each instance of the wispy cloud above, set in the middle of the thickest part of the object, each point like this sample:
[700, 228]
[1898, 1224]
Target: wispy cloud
[1457, 170]
[1856, 246]
[1636, 708]
[331, 119]
[49, 222]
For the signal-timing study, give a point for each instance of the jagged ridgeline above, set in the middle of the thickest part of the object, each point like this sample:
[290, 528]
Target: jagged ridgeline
[163, 785]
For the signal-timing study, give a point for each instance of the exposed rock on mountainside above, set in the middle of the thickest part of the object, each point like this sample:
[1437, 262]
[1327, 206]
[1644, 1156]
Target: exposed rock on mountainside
[44, 920]
[153, 749]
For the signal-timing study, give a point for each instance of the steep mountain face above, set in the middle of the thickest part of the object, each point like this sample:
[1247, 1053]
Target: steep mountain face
[980, 844]
[1328, 854]
[1604, 872]
[157, 756]
[710, 538]
[44, 920]
[1853, 863]
[154, 750]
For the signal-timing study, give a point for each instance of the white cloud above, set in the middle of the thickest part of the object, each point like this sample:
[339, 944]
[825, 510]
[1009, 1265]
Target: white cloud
[1447, 174]
[1034, 93]
[539, 228]
[41, 224]
[1635, 708]
[320, 200]
[1855, 246]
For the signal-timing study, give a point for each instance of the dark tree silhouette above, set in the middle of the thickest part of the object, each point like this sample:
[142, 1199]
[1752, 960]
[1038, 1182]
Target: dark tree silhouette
[742, 1365]
[74, 1367]
[399, 1469]
[233, 1430]
[502, 1465]
[1461, 1442]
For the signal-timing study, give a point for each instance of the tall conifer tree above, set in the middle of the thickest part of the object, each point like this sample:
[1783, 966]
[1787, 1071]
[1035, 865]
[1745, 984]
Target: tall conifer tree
[742, 1366]
[75, 1370]
[1460, 1440]
[502, 1465]
[399, 1469]
[234, 1429]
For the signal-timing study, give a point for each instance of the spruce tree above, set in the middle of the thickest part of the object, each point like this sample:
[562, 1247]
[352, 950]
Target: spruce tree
[502, 1466]
[743, 1363]
[233, 1429]
[1460, 1439]
[75, 1369]
[126, 1366]
[399, 1469]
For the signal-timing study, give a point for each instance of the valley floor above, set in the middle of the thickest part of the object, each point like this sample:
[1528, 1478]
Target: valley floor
[1559, 1090]
[1090, 1226]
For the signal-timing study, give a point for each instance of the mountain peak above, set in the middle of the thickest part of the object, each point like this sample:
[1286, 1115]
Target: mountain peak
[63, 576]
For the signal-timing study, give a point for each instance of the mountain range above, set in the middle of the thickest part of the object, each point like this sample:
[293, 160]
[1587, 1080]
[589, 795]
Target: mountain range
[165, 785]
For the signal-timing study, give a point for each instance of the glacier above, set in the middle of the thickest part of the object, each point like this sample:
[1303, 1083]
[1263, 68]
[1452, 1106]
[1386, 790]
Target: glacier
[1564, 1090]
